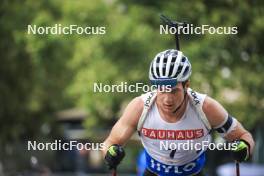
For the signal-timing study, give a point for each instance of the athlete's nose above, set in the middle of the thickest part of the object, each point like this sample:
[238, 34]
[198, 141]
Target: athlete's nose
[168, 99]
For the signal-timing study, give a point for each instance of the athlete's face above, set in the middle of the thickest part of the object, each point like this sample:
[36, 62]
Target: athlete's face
[170, 100]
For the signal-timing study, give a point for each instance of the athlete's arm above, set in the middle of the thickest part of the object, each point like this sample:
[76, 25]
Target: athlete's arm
[216, 115]
[126, 125]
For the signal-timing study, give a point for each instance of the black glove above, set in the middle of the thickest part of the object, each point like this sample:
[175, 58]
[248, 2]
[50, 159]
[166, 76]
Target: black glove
[114, 156]
[241, 152]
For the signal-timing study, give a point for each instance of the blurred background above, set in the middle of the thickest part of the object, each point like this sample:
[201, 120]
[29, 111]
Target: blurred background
[46, 85]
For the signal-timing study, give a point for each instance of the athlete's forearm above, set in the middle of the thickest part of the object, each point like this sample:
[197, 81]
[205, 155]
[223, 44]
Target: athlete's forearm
[126, 125]
[120, 134]
[241, 133]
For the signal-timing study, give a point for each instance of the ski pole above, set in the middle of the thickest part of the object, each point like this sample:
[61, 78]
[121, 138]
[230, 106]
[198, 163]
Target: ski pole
[237, 169]
[114, 172]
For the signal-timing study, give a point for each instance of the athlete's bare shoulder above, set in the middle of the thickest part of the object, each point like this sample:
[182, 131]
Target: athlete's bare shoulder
[136, 106]
[133, 111]
[126, 125]
[214, 111]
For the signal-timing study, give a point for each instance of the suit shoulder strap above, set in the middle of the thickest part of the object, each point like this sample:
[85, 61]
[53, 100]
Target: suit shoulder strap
[149, 99]
[197, 101]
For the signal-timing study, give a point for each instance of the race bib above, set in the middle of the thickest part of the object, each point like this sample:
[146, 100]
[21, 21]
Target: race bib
[190, 168]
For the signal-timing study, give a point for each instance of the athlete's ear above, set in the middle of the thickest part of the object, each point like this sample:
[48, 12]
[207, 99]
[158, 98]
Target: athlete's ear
[187, 84]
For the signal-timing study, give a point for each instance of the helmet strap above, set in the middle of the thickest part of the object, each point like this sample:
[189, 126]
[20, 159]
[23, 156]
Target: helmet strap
[185, 93]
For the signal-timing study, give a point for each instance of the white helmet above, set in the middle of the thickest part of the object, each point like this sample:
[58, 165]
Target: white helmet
[169, 67]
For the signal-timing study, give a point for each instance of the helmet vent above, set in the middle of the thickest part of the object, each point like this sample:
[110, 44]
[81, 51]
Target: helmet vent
[163, 71]
[157, 71]
[186, 71]
[152, 72]
[170, 71]
[183, 59]
[173, 59]
[158, 59]
[178, 71]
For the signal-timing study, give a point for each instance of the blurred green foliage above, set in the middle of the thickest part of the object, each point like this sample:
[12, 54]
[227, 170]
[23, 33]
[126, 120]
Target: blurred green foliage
[42, 74]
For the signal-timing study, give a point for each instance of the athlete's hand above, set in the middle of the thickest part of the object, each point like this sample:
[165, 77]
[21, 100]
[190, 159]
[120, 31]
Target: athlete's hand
[114, 156]
[241, 152]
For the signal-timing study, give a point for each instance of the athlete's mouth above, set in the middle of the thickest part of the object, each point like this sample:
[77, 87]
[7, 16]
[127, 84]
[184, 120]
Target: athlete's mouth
[168, 105]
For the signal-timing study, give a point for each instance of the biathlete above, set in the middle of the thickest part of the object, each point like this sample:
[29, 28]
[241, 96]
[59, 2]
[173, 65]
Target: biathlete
[173, 116]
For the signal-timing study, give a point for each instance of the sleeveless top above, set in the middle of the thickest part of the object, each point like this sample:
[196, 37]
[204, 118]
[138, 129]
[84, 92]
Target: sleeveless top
[170, 145]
